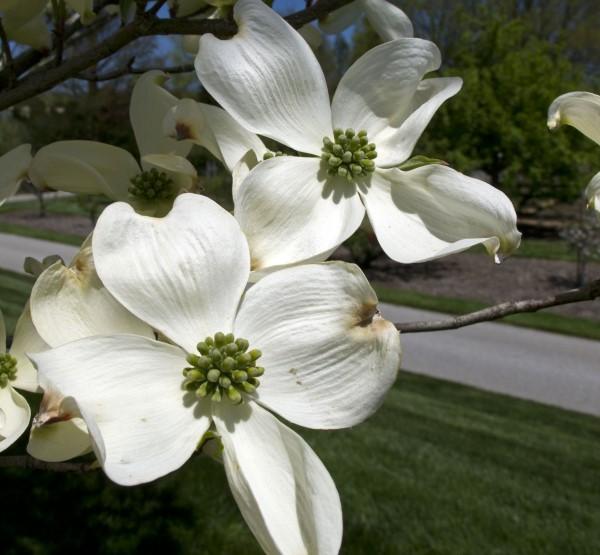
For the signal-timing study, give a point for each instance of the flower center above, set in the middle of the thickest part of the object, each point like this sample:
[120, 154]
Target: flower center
[8, 369]
[224, 368]
[349, 155]
[151, 185]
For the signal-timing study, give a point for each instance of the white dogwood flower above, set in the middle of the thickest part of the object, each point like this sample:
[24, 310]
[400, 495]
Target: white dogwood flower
[296, 208]
[306, 342]
[91, 167]
[582, 111]
[385, 16]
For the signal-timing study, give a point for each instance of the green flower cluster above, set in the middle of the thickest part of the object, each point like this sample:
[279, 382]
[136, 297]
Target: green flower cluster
[8, 369]
[349, 155]
[224, 368]
[151, 185]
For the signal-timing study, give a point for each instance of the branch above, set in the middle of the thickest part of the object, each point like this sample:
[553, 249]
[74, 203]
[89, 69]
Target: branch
[25, 461]
[587, 293]
[144, 25]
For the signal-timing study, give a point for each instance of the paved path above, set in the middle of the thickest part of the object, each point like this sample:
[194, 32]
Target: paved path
[550, 368]
[14, 249]
[546, 367]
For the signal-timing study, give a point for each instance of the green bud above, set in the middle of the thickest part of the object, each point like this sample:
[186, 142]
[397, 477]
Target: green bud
[234, 395]
[325, 156]
[202, 391]
[372, 154]
[255, 354]
[337, 132]
[215, 355]
[362, 133]
[248, 387]
[231, 349]
[209, 340]
[224, 382]
[192, 359]
[358, 155]
[371, 146]
[342, 171]
[203, 348]
[204, 362]
[239, 376]
[355, 169]
[229, 338]
[347, 157]
[254, 381]
[216, 396]
[354, 143]
[364, 141]
[196, 375]
[228, 364]
[268, 155]
[220, 339]
[327, 141]
[334, 161]
[368, 165]
[256, 372]
[338, 150]
[242, 344]
[350, 133]
[244, 359]
[213, 375]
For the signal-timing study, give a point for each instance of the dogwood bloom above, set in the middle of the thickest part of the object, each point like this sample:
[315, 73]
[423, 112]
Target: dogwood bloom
[69, 302]
[386, 18]
[582, 111]
[91, 167]
[14, 166]
[307, 343]
[295, 208]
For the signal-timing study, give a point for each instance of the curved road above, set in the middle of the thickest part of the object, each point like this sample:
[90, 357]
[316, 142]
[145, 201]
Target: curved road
[545, 367]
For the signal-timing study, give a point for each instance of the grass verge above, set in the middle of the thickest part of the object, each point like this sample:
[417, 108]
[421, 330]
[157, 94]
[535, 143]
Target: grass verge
[547, 321]
[441, 469]
[14, 292]
[37, 233]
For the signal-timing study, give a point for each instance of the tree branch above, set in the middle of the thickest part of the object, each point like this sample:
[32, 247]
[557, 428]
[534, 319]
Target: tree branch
[25, 461]
[587, 293]
[144, 25]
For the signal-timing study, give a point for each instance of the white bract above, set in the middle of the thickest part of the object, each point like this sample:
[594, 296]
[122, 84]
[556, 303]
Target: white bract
[298, 208]
[15, 371]
[90, 167]
[25, 22]
[326, 361]
[14, 166]
[68, 303]
[386, 18]
[582, 111]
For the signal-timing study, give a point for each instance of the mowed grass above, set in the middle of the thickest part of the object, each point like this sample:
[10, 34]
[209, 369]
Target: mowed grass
[14, 292]
[542, 320]
[440, 469]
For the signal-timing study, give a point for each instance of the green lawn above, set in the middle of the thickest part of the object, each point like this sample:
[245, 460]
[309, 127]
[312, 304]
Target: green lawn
[440, 469]
[543, 320]
[14, 292]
